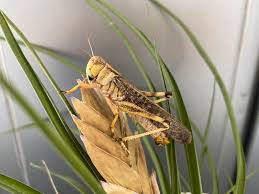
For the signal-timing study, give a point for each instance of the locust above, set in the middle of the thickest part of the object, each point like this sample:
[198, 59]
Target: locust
[156, 121]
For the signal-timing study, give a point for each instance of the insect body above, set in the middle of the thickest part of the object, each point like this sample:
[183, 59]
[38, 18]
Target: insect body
[157, 122]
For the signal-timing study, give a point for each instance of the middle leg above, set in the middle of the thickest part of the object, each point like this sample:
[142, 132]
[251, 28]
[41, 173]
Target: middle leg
[164, 96]
[157, 94]
[128, 138]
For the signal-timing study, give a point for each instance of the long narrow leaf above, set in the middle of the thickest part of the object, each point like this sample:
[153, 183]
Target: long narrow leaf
[193, 168]
[247, 178]
[206, 131]
[53, 54]
[241, 166]
[50, 108]
[185, 183]
[170, 149]
[26, 126]
[13, 186]
[44, 97]
[67, 152]
[41, 64]
[212, 166]
[66, 179]
[156, 162]
[66, 132]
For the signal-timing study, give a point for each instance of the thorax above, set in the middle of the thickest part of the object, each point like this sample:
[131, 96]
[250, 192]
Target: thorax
[106, 82]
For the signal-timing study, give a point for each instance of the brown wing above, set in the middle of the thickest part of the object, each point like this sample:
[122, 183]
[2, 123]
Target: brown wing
[134, 96]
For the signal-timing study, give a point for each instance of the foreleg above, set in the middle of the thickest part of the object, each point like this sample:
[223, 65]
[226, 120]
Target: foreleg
[80, 85]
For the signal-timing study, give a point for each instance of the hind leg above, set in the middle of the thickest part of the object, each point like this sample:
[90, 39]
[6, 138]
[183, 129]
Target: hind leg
[144, 134]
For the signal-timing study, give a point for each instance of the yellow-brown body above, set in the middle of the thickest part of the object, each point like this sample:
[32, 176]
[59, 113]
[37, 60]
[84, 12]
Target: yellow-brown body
[129, 99]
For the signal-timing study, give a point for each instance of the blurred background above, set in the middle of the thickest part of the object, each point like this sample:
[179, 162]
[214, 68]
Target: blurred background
[228, 30]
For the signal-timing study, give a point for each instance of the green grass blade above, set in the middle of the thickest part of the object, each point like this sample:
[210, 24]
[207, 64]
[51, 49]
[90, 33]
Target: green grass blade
[205, 147]
[53, 54]
[44, 97]
[21, 128]
[13, 186]
[40, 63]
[68, 153]
[68, 132]
[229, 179]
[26, 126]
[247, 178]
[185, 183]
[215, 179]
[170, 148]
[206, 131]
[157, 163]
[241, 166]
[76, 185]
[192, 162]
[33, 126]
[173, 170]
[211, 163]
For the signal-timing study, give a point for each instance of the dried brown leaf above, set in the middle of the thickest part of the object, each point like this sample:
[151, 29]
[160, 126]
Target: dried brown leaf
[101, 139]
[154, 184]
[113, 169]
[89, 115]
[94, 98]
[122, 165]
[116, 189]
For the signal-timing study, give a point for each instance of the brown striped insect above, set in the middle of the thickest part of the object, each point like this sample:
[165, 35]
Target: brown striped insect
[157, 122]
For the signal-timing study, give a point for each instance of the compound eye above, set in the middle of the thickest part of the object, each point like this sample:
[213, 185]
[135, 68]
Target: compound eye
[90, 78]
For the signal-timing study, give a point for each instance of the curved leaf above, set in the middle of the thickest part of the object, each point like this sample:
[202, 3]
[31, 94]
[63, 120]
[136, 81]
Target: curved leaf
[63, 145]
[76, 185]
[241, 166]
[13, 186]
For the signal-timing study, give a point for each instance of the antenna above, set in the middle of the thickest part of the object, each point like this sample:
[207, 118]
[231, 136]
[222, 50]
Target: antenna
[90, 47]
[86, 52]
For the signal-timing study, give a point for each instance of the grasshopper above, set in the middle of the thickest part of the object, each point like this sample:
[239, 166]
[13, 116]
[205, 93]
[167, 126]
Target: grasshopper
[157, 122]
